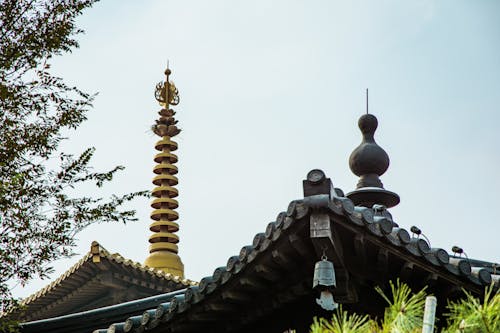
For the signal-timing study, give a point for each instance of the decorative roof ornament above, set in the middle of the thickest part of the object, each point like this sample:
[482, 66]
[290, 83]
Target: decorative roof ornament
[369, 161]
[166, 93]
[163, 249]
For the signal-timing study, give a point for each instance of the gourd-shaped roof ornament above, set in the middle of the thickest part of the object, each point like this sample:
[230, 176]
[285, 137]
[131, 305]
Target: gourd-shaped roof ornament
[369, 161]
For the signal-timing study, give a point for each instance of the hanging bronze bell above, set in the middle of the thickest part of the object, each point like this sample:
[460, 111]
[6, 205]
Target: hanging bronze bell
[324, 275]
[324, 282]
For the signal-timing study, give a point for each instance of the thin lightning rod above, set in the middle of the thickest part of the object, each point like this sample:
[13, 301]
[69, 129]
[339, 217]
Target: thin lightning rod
[366, 100]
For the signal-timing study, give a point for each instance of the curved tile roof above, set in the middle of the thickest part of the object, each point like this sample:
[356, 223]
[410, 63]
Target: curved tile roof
[374, 222]
[84, 274]
[233, 284]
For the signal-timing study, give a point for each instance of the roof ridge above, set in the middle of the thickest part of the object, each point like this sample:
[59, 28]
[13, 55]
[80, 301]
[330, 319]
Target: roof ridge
[96, 252]
[51, 285]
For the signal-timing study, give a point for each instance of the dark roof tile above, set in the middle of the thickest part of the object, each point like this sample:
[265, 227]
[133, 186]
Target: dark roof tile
[131, 323]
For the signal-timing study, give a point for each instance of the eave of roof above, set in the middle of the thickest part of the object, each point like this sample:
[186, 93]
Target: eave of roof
[87, 320]
[62, 290]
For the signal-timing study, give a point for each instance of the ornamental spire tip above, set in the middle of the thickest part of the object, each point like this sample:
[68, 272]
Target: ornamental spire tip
[163, 242]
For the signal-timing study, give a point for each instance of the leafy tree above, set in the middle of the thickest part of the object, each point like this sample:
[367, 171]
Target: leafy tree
[39, 217]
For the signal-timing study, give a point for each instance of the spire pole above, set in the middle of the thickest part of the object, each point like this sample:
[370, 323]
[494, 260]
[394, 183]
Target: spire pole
[163, 248]
[366, 100]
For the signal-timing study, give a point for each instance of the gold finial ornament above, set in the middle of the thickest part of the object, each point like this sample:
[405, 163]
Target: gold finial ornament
[166, 93]
[163, 249]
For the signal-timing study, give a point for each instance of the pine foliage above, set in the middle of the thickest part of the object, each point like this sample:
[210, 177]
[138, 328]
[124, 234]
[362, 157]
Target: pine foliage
[343, 322]
[471, 316]
[404, 314]
[405, 311]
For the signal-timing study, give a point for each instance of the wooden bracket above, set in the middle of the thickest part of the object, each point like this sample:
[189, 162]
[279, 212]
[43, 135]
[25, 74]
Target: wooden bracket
[323, 239]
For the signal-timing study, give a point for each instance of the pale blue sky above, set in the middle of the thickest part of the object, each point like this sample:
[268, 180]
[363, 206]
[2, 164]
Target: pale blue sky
[272, 89]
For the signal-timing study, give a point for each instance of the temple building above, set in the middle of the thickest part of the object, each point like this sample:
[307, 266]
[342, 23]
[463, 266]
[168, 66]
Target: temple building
[326, 248]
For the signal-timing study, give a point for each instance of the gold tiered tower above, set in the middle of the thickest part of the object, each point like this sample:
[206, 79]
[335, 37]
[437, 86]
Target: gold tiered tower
[163, 249]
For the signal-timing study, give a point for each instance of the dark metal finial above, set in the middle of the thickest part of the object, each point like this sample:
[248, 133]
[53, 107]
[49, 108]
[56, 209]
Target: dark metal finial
[369, 157]
[369, 161]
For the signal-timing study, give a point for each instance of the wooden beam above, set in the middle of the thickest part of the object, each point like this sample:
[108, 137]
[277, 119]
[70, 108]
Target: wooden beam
[383, 262]
[267, 273]
[252, 283]
[323, 239]
[236, 296]
[406, 271]
[360, 250]
[431, 281]
[300, 246]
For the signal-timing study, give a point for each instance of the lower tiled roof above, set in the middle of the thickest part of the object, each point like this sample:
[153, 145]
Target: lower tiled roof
[93, 275]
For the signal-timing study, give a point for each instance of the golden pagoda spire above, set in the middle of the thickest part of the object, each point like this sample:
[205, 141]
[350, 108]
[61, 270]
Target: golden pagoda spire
[163, 249]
